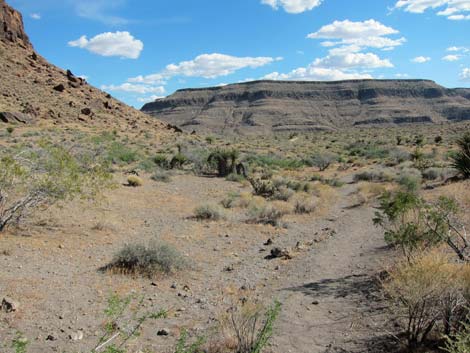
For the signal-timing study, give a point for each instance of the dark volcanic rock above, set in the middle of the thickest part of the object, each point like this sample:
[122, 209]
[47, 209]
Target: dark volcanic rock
[11, 26]
[270, 106]
[15, 117]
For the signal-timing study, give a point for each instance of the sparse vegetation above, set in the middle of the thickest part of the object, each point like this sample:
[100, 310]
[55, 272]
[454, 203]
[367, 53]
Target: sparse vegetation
[210, 212]
[461, 159]
[134, 181]
[148, 260]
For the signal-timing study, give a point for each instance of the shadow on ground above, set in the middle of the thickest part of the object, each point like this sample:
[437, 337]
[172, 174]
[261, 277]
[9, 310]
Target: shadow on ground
[364, 291]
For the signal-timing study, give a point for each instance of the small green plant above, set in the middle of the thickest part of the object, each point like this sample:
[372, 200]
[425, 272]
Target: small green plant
[119, 153]
[460, 341]
[124, 320]
[10, 130]
[183, 347]
[178, 161]
[19, 343]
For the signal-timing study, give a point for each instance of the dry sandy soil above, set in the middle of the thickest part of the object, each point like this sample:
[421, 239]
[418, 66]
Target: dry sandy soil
[51, 267]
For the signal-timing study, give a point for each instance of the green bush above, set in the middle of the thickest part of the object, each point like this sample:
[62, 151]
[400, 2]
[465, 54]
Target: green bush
[40, 177]
[461, 159]
[323, 160]
[209, 212]
[147, 260]
[119, 153]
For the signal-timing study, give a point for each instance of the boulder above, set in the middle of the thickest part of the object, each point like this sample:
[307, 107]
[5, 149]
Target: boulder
[9, 305]
[16, 117]
[59, 88]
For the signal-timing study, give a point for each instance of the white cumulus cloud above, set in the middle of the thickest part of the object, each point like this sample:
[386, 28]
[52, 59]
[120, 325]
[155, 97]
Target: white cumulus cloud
[134, 88]
[293, 6]
[452, 9]
[35, 16]
[369, 33]
[121, 44]
[207, 66]
[421, 59]
[451, 58]
[352, 60]
[312, 73]
[465, 75]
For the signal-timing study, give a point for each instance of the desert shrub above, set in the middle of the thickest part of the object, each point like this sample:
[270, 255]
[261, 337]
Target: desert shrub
[283, 193]
[433, 173]
[373, 175]
[323, 160]
[412, 223]
[249, 326]
[40, 177]
[226, 162]
[161, 176]
[161, 160]
[262, 187]
[368, 150]
[303, 203]
[147, 260]
[209, 212]
[178, 161]
[438, 139]
[410, 179]
[461, 159]
[268, 212]
[134, 181]
[10, 130]
[230, 200]
[399, 156]
[427, 290]
[119, 153]
[460, 341]
[272, 161]
[237, 178]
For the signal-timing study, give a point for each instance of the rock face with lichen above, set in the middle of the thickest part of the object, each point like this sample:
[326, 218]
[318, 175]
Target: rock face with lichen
[273, 106]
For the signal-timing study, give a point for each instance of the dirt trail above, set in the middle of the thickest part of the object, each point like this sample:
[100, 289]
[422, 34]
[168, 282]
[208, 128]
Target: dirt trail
[329, 297]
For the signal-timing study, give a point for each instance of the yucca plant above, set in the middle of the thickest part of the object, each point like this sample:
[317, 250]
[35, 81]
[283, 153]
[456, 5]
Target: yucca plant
[461, 159]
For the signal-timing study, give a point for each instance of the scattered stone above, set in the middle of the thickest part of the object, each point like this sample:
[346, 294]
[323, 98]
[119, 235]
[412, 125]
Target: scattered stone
[77, 336]
[59, 88]
[163, 332]
[268, 242]
[153, 284]
[278, 253]
[229, 268]
[9, 305]
[173, 286]
[51, 338]
[315, 302]
[86, 111]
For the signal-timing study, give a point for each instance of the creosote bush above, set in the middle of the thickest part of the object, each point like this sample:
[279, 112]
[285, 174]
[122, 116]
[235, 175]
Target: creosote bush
[210, 212]
[429, 292]
[134, 181]
[148, 260]
[40, 177]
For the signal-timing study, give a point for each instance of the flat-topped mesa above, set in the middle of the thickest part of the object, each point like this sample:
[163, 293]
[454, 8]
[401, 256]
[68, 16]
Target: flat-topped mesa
[269, 106]
[12, 27]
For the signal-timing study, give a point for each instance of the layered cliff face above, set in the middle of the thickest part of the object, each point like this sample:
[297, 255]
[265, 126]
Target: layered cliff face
[270, 106]
[33, 91]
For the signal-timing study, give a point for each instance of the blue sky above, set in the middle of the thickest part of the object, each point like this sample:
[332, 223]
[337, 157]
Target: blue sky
[142, 49]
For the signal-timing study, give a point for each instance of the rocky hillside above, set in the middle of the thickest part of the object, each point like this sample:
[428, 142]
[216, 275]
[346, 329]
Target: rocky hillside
[266, 106]
[33, 91]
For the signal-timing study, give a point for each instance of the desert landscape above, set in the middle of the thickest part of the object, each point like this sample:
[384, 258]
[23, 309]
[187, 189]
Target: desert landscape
[267, 216]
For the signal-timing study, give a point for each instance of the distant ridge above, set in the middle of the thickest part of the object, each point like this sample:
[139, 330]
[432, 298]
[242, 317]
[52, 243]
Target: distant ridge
[273, 106]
